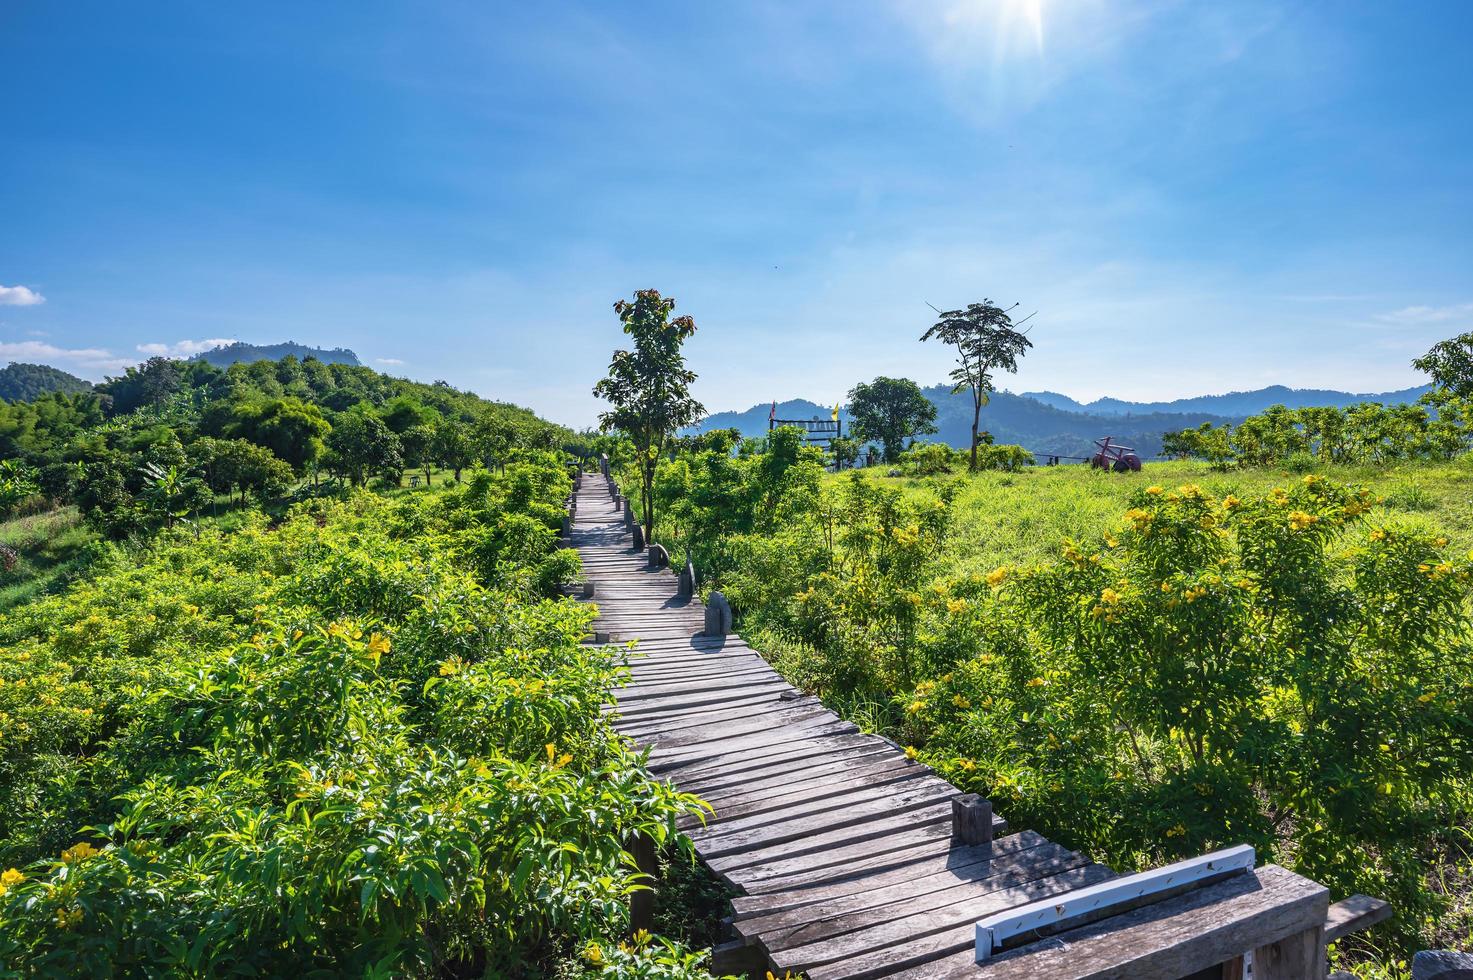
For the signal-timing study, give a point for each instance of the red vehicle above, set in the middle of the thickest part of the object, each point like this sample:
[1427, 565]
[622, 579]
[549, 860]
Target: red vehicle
[1121, 459]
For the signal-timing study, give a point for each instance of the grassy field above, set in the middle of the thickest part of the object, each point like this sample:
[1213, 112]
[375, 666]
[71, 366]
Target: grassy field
[50, 546]
[1021, 518]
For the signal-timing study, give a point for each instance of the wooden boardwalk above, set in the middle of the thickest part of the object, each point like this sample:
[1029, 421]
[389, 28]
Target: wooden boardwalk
[841, 848]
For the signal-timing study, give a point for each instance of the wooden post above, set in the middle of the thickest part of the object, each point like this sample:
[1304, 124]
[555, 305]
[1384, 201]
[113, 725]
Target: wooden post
[718, 616]
[642, 902]
[971, 820]
[1292, 958]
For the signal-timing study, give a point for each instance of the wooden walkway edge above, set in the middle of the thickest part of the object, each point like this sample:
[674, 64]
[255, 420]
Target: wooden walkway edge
[842, 848]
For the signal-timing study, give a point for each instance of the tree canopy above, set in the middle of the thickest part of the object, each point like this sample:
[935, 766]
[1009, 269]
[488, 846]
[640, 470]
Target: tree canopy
[648, 388]
[889, 411]
[985, 341]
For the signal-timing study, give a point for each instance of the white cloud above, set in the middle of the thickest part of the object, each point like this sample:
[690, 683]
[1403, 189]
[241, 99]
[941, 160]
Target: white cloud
[388, 360]
[88, 361]
[184, 348]
[1417, 315]
[20, 296]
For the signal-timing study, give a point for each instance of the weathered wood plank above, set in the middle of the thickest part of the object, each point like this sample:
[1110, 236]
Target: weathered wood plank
[929, 860]
[935, 890]
[1173, 938]
[876, 942]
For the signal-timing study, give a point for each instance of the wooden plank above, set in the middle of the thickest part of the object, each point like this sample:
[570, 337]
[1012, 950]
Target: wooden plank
[718, 733]
[837, 796]
[1354, 914]
[936, 890]
[924, 860]
[1173, 938]
[900, 845]
[751, 798]
[877, 942]
[770, 710]
[645, 726]
[1097, 900]
[819, 841]
[740, 762]
[775, 774]
[800, 821]
[685, 756]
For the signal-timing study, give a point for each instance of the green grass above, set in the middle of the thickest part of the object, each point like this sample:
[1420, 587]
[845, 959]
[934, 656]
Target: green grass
[1021, 518]
[52, 546]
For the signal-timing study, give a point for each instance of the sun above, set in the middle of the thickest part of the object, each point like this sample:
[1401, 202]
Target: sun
[1025, 17]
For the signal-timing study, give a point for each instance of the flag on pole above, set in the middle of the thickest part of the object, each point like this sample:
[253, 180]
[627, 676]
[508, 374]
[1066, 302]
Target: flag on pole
[772, 415]
[836, 411]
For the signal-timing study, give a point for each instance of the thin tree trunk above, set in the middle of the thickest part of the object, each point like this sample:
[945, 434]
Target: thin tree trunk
[976, 419]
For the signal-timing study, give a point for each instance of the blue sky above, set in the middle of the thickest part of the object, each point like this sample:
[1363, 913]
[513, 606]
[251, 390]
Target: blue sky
[1195, 197]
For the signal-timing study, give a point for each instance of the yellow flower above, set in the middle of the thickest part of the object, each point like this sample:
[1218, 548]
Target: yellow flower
[1140, 518]
[1378, 535]
[966, 765]
[593, 953]
[1299, 520]
[1154, 490]
[956, 606]
[450, 667]
[1177, 831]
[641, 936]
[1165, 586]
[1111, 541]
[11, 878]
[1194, 593]
[79, 852]
[911, 752]
[378, 645]
[1109, 597]
[66, 918]
[1037, 682]
[997, 576]
[915, 707]
[1440, 542]
[961, 702]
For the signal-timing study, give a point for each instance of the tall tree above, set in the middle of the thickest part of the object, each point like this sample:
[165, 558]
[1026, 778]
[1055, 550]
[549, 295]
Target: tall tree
[888, 411]
[1450, 363]
[649, 387]
[362, 444]
[985, 341]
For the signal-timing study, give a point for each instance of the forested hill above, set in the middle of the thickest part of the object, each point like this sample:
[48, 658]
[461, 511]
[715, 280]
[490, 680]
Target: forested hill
[243, 353]
[1233, 404]
[27, 382]
[1010, 418]
[160, 441]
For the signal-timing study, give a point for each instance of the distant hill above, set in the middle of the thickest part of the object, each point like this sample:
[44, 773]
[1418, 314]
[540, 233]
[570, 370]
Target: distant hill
[1010, 418]
[1234, 404]
[27, 382]
[223, 357]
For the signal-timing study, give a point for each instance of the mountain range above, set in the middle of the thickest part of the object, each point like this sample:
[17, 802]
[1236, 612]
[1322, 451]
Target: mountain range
[1052, 424]
[1233, 403]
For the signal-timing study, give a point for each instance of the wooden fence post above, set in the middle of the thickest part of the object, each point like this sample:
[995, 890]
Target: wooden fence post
[642, 902]
[971, 820]
[1293, 957]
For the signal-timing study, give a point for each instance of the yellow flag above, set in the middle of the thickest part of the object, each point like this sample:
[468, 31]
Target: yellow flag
[836, 413]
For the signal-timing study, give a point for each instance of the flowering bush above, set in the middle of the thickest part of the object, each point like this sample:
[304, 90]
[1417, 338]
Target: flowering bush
[360, 741]
[1281, 671]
